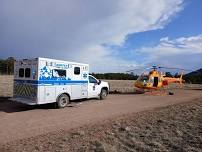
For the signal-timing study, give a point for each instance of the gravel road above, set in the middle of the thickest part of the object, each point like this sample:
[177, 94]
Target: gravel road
[20, 121]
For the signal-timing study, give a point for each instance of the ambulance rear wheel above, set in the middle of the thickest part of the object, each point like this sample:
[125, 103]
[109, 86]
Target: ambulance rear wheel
[62, 101]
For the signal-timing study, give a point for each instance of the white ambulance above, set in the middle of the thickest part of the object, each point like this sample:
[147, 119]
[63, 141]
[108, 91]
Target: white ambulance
[43, 80]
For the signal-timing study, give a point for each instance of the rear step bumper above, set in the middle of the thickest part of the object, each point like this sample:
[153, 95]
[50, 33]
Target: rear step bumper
[24, 101]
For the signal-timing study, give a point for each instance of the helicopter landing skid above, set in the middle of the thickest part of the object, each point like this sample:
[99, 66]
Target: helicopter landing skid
[139, 91]
[156, 92]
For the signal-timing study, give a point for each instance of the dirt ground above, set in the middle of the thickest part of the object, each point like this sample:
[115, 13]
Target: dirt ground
[20, 122]
[148, 127]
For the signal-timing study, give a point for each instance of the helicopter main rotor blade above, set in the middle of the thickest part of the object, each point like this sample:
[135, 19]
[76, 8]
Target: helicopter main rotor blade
[173, 68]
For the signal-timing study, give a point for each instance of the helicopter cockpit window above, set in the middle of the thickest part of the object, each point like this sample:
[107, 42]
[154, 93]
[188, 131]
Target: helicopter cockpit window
[144, 78]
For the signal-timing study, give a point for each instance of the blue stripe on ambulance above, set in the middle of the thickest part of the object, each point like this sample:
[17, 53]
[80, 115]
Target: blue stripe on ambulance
[50, 82]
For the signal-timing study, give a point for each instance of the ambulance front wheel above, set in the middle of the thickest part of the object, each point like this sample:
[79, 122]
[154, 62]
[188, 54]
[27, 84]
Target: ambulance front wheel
[103, 94]
[62, 101]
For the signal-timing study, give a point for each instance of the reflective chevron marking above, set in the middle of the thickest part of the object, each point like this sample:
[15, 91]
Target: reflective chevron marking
[25, 90]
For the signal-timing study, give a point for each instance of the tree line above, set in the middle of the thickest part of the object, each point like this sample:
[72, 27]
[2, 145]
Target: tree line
[7, 67]
[115, 76]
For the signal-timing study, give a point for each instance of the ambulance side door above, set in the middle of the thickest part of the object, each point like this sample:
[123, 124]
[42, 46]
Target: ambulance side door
[76, 86]
[93, 87]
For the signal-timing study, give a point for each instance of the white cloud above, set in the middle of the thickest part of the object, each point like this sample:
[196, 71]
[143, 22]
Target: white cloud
[103, 61]
[182, 52]
[76, 30]
[166, 46]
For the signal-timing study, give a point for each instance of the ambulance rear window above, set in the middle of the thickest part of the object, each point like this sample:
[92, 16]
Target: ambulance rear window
[21, 72]
[27, 73]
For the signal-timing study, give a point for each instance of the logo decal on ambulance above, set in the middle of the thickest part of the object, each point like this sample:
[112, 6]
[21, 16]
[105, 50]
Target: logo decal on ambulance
[85, 75]
[46, 73]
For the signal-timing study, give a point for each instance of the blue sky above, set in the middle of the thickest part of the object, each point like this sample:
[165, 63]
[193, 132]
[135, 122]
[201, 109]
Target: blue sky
[186, 23]
[116, 36]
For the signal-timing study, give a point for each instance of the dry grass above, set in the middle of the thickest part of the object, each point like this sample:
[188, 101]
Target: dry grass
[124, 86]
[6, 85]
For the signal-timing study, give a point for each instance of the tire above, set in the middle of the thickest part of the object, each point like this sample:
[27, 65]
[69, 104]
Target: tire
[62, 101]
[103, 94]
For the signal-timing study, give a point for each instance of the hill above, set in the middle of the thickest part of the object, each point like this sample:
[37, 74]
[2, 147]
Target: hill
[194, 77]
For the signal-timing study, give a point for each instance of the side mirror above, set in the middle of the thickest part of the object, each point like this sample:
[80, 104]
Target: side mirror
[99, 82]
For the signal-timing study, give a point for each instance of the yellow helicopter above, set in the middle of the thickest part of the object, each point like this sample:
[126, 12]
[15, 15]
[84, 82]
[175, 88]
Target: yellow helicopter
[156, 79]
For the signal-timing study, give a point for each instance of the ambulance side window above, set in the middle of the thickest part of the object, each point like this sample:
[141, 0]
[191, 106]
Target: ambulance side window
[76, 70]
[57, 73]
[21, 72]
[27, 73]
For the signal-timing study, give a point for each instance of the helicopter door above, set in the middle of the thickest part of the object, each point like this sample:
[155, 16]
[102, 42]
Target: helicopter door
[155, 84]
